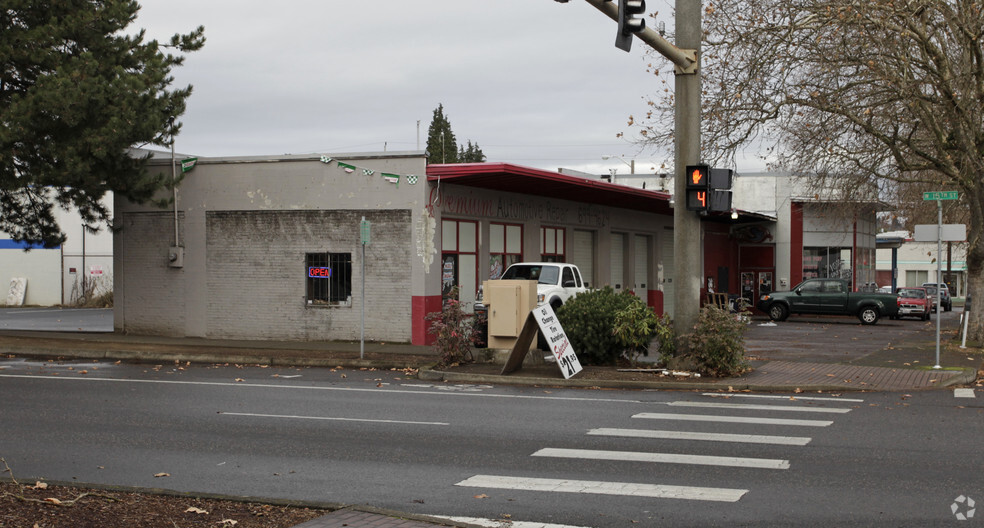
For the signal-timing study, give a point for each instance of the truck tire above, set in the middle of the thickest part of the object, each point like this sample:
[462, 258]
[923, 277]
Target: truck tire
[868, 315]
[778, 312]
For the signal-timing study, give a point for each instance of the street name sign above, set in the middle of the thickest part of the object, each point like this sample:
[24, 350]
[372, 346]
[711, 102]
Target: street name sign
[944, 233]
[941, 195]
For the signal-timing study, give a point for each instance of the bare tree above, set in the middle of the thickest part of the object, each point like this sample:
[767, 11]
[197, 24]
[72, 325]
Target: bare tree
[884, 95]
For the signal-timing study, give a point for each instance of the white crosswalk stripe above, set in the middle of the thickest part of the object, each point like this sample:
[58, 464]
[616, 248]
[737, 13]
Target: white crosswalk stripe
[664, 458]
[604, 488]
[754, 407]
[733, 419]
[713, 437]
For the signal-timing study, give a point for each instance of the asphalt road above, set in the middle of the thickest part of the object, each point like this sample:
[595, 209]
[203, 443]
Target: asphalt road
[572, 457]
[57, 319]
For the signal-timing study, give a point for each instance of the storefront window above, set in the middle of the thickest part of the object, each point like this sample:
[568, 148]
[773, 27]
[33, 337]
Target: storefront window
[329, 279]
[827, 262]
[552, 244]
[505, 247]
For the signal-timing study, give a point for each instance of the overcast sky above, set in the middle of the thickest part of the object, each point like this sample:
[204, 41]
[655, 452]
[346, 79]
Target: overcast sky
[533, 82]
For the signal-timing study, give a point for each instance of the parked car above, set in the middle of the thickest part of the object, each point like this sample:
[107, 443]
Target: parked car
[885, 289]
[945, 299]
[914, 302]
[828, 297]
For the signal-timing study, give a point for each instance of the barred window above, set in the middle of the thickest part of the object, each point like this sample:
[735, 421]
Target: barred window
[329, 278]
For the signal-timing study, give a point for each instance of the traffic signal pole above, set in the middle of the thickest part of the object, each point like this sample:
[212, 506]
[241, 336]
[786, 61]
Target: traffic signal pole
[687, 269]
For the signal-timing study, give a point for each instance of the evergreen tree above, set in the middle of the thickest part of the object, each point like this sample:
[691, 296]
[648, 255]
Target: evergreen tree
[441, 144]
[472, 154]
[76, 91]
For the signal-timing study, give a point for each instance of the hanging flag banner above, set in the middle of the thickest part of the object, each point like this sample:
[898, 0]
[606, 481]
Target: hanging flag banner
[348, 168]
[392, 178]
[188, 164]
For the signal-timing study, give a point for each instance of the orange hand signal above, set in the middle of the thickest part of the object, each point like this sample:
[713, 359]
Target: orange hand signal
[696, 176]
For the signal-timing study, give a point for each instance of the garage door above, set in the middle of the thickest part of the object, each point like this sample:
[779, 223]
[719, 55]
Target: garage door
[641, 286]
[618, 261]
[582, 255]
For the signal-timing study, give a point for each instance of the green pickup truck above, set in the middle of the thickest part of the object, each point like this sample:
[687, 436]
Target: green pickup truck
[828, 297]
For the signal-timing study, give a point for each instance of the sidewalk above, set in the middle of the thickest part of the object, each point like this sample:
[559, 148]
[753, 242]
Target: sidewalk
[806, 354]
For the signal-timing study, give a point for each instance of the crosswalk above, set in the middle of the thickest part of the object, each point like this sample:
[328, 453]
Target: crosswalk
[740, 414]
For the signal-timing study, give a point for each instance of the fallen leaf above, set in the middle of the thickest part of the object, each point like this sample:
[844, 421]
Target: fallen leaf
[159, 475]
[53, 500]
[192, 509]
[482, 496]
[228, 522]
[40, 485]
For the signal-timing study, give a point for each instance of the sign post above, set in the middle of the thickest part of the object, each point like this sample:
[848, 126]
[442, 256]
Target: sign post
[940, 234]
[365, 228]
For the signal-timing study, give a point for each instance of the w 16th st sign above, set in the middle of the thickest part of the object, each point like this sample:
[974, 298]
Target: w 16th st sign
[557, 340]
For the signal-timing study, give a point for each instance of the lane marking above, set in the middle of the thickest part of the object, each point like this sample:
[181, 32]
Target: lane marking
[750, 406]
[257, 415]
[660, 491]
[663, 458]
[778, 397]
[732, 419]
[325, 388]
[493, 523]
[964, 393]
[712, 437]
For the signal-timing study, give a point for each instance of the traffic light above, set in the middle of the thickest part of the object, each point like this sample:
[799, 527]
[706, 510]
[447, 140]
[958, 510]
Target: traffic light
[630, 13]
[698, 185]
[719, 197]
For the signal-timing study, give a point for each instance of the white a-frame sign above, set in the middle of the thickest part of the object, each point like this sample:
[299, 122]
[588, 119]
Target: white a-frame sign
[544, 318]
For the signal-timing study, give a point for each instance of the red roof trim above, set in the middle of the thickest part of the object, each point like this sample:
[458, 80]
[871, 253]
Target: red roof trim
[526, 180]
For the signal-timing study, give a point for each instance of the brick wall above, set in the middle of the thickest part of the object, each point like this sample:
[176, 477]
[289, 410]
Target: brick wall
[256, 274]
[154, 291]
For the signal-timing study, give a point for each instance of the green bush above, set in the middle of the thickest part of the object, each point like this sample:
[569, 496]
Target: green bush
[589, 321]
[717, 345]
[637, 325]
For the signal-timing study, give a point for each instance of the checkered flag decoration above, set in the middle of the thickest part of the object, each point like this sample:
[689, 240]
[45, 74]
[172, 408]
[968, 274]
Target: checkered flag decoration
[412, 179]
[368, 172]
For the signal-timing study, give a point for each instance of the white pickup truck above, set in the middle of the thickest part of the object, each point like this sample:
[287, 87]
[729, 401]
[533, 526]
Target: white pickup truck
[556, 282]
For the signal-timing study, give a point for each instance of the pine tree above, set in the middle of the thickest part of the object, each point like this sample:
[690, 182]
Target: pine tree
[472, 154]
[441, 144]
[76, 91]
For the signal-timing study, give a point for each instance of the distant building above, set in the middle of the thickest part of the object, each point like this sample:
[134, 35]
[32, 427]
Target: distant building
[81, 267]
[916, 262]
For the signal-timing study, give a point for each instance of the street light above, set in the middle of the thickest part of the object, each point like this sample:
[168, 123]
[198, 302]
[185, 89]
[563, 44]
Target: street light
[610, 156]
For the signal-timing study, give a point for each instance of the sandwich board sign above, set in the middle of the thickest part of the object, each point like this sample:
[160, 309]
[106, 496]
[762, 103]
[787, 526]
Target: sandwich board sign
[557, 340]
[544, 318]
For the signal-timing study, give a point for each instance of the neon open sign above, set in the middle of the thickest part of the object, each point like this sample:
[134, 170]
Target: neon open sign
[319, 272]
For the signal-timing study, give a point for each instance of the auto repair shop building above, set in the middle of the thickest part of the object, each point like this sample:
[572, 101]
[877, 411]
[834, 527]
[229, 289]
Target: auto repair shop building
[270, 247]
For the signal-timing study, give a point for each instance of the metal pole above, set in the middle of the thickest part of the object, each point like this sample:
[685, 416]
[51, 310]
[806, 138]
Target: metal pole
[362, 331]
[939, 251]
[686, 224]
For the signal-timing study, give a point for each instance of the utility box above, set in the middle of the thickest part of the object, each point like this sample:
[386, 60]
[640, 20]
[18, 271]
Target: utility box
[508, 302]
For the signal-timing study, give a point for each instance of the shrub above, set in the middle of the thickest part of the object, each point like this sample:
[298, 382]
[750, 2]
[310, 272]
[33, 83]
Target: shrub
[589, 319]
[717, 345]
[637, 325]
[454, 330]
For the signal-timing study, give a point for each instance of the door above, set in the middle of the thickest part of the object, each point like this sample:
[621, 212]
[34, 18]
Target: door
[806, 298]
